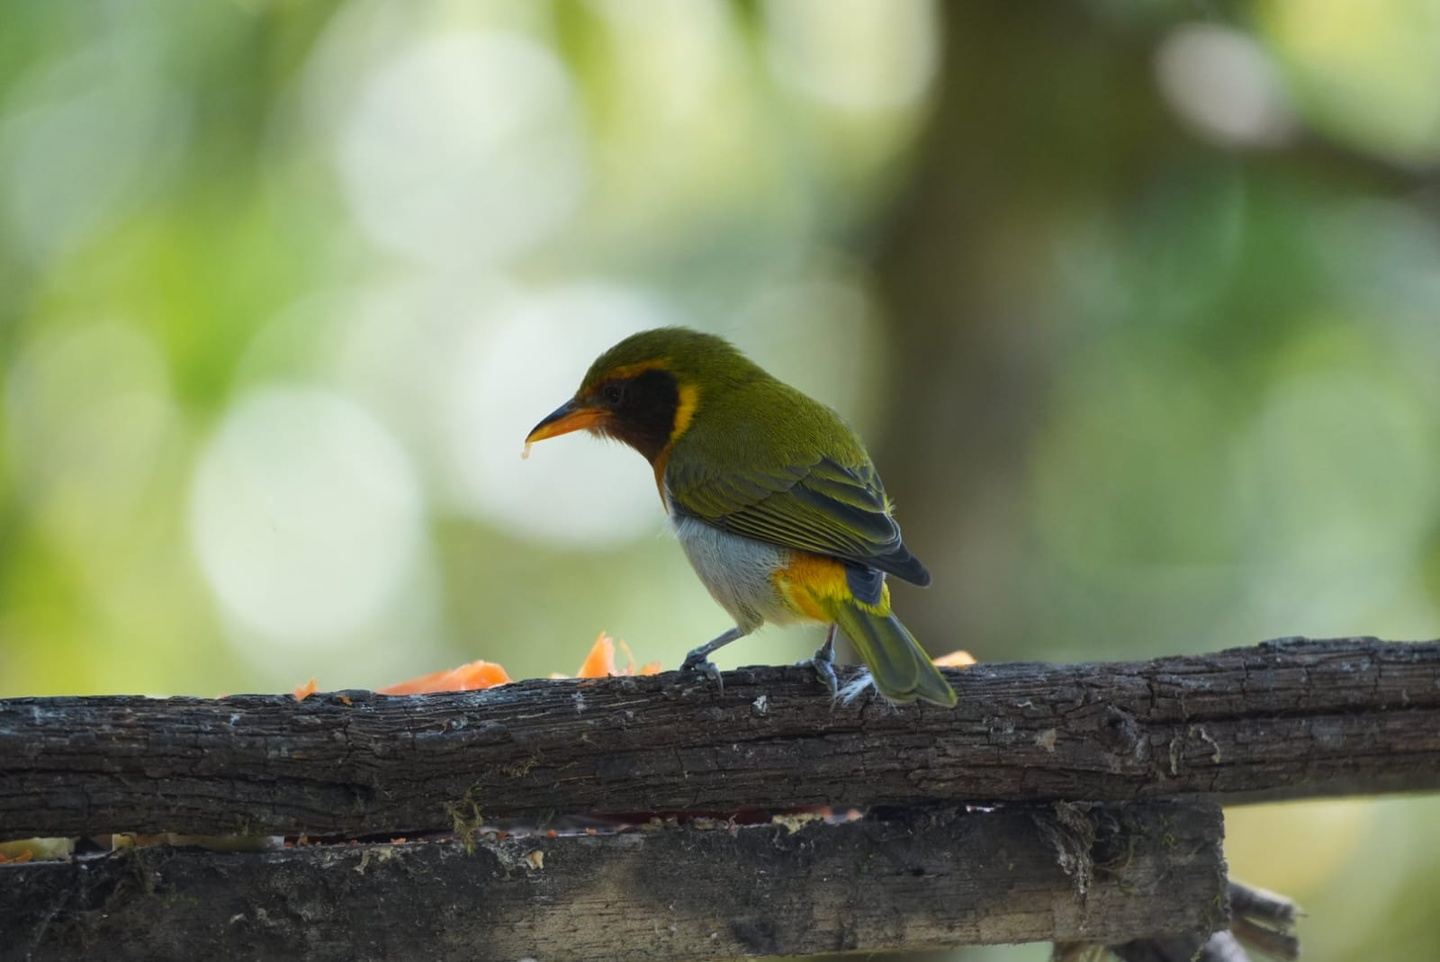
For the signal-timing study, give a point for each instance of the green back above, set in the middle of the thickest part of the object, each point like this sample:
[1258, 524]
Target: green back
[762, 460]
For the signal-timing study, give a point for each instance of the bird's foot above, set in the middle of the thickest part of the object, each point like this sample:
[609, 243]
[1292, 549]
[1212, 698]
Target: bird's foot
[825, 669]
[699, 660]
[823, 661]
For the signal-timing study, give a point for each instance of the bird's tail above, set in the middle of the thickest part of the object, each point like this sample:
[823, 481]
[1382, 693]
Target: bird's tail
[901, 668]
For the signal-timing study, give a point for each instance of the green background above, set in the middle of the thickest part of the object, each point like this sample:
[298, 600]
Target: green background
[1138, 304]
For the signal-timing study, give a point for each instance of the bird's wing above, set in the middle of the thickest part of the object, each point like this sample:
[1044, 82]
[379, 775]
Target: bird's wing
[823, 506]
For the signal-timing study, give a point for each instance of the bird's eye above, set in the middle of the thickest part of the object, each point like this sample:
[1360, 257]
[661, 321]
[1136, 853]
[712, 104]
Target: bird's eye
[613, 393]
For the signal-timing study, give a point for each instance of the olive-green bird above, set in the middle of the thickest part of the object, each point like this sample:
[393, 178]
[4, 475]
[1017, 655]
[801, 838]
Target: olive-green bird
[771, 494]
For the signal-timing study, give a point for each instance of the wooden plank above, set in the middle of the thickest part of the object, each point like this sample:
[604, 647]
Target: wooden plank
[907, 879]
[1282, 720]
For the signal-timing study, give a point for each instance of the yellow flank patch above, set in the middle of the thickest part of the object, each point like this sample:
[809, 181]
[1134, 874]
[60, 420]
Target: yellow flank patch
[810, 582]
[685, 410]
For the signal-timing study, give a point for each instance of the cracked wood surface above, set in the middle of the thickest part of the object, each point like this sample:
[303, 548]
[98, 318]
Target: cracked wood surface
[1284, 719]
[908, 879]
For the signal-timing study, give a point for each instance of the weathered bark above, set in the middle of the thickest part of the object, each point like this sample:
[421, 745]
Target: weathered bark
[916, 878]
[1283, 720]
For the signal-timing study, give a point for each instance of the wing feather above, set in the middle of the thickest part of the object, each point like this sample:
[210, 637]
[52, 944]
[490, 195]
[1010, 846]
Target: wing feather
[824, 507]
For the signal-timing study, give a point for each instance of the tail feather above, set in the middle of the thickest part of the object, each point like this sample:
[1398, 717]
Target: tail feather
[901, 668]
[902, 564]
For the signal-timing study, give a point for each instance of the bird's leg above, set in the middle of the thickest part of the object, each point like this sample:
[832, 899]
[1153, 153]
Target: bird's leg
[824, 662]
[699, 659]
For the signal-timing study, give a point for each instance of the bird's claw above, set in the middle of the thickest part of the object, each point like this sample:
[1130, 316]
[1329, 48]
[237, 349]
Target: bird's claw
[825, 668]
[823, 662]
[697, 661]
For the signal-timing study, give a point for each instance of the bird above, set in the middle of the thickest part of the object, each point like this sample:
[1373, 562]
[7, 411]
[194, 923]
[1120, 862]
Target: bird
[771, 495]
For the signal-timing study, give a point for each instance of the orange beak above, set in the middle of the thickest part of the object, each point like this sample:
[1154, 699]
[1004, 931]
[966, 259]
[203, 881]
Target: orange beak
[568, 417]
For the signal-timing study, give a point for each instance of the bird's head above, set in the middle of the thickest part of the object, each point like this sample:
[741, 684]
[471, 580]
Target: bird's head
[647, 389]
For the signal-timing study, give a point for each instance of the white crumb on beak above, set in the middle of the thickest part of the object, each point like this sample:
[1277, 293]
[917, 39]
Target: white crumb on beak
[525, 454]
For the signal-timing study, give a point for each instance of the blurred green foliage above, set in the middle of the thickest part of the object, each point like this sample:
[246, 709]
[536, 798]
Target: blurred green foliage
[1137, 302]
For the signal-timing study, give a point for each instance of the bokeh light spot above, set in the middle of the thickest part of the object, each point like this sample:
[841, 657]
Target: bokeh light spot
[305, 515]
[1367, 72]
[463, 148]
[1222, 82]
[854, 55]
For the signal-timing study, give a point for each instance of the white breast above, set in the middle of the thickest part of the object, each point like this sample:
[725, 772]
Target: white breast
[736, 570]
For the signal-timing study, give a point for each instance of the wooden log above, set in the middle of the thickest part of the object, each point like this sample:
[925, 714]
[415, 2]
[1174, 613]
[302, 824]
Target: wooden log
[1285, 719]
[909, 879]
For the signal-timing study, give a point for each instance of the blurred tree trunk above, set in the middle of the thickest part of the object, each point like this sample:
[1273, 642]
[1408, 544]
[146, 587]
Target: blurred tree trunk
[1043, 111]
